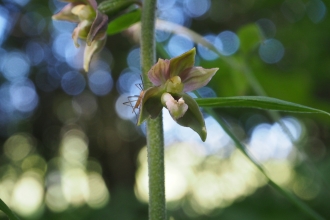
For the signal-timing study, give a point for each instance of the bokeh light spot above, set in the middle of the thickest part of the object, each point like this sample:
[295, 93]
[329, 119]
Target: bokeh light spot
[316, 10]
[28, 195]
[267, 27]
[179, 44]
[123, 111]
[227, 43]
[23, 96]
[133, 58]
[100, 82]
[175, 15]
[3, 23]
[15, 66]
[32, 23]
[271, 51]
[74, 147]
[73, 83]
[18, 146]
[206, 53]
[196, 8]
[35, 52]
[55, 199]
[98, 192]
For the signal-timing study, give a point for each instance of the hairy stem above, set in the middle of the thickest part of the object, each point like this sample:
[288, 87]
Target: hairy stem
[155, 137]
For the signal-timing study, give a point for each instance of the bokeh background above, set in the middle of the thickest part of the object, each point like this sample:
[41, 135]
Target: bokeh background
[70, 149]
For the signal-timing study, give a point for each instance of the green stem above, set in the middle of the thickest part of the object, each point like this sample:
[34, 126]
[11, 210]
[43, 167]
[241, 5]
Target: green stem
[155, 137]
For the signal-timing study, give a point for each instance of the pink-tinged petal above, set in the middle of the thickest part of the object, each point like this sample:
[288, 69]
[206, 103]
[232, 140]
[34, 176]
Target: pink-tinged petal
[92, 3]
[159, 73]
[182, 62]
[75, 35]
[98, 28]
[196, 77]
[66, 14]
[177, 108]
[95, 47]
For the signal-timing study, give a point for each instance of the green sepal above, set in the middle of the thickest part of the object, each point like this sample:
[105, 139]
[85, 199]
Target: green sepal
[123, 22]
[193, 117]
[112, 7]
[151, 104]
[182, 62]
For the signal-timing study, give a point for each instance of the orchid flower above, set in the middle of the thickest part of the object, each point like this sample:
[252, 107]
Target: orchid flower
[172, 79]
[92, 25]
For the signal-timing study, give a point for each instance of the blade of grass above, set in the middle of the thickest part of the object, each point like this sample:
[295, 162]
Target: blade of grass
[260, 102]
[297, 202]
[7, 211]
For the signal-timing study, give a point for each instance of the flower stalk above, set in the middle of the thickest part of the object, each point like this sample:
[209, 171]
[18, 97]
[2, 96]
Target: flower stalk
[155, 137]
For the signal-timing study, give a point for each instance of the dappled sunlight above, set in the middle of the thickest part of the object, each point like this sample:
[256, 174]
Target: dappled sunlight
[18, 146]
[68, 181]
[209, 182]
[28, 194]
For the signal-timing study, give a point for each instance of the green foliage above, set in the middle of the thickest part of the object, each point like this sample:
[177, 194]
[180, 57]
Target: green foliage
[250, 38]
[7, 211]
[259, 102]
[123, 22]
[112, 7]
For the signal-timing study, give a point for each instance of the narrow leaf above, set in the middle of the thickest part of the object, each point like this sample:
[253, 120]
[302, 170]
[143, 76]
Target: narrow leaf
[260, 102]
[7, 211]
[298, 203]
[123, 22]
[112, 7]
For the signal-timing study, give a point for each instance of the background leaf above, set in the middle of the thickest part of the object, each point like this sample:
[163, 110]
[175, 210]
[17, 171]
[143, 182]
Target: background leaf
[112, 7]
[7, 211]
[260, 102]
[123, 22]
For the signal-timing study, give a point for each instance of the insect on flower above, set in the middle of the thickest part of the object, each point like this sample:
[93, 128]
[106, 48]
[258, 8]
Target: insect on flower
[137, 101]
[135, 98]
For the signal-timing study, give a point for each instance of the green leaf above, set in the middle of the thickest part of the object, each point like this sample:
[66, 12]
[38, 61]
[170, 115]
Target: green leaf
[298, 203]
[7, 211]
[249, 36]
[193, 118]
[123, 22]
[260, 102]
[112, 7]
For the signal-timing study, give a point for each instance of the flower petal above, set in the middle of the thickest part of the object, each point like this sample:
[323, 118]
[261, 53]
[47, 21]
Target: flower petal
[98, 28]
[193, 118]
[159, 73]
[95, 47]
[176, 108]
[196, 77]
[182, 62]
[66, 14]
[151, 104]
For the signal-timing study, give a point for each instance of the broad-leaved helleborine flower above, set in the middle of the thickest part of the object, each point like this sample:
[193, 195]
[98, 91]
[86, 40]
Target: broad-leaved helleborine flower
[172, 79]
[92, 25]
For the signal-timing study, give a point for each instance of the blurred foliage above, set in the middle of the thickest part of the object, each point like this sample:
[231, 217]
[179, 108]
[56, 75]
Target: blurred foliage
[34, 156]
